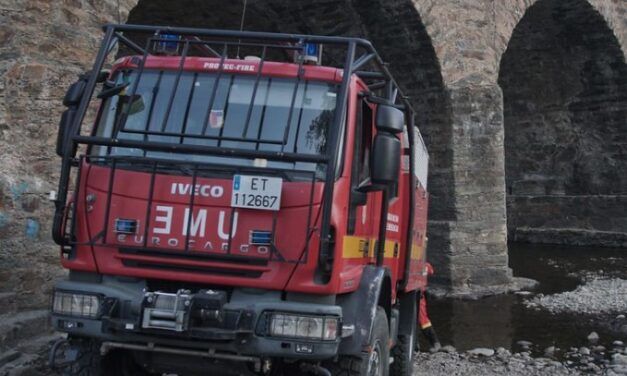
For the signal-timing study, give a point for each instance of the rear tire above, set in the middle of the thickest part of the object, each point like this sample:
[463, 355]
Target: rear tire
[403, 351]
[403, 354]
[374, 363]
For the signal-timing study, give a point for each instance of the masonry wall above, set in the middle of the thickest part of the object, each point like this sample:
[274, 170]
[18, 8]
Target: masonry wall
[44, 45]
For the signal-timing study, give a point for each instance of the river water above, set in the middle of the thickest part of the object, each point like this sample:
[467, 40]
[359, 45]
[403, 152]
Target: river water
[503, 320]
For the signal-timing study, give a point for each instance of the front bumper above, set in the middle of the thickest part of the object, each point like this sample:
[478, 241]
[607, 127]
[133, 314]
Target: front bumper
[242, 332]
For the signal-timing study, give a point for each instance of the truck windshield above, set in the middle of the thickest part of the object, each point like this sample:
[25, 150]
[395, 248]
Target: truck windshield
[214, 110]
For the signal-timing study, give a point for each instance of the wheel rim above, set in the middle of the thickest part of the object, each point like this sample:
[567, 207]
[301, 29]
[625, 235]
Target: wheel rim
[374, 361]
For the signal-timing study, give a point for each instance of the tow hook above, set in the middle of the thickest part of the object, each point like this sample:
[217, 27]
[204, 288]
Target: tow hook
[266, 366]
[62, 354]
[315, 369]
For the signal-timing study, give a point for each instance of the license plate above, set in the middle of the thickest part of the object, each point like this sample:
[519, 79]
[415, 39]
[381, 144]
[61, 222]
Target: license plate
[256, 192]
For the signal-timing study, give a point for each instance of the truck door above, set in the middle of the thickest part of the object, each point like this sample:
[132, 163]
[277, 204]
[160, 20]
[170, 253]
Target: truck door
[361, 214]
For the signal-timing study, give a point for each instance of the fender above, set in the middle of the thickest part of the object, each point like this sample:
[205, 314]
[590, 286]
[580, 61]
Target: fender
[359, 308]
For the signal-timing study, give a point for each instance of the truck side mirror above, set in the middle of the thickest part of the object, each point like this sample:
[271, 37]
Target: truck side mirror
[386, 149]
[390, 119]
[71, 100]
[385, 160]
[64, 126]
[74, 93]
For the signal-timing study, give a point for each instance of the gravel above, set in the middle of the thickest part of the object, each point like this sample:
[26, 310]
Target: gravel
[476, 362]
[598, 296]
[450, 364]
[489, 362]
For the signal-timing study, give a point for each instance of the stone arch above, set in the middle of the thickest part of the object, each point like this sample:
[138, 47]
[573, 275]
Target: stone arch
[509, 13]
[564, 81]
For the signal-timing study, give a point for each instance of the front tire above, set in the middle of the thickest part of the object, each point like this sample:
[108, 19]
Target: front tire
[374, 363]
[89, 361]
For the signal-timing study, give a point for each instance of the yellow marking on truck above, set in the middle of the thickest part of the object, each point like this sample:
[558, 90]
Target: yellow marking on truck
[417, 252]
[361, 246]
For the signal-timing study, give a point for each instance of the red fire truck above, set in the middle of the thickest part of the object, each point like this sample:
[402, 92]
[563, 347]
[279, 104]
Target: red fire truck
[220, 214]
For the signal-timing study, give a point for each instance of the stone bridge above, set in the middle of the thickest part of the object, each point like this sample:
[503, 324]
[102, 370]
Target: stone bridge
[523, 105]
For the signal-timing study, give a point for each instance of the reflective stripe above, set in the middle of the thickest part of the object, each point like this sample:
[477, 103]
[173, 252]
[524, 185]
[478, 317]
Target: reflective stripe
[354, 247]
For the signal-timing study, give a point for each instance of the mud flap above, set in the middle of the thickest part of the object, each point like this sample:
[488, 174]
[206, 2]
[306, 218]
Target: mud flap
[408, 303]
[360, 308]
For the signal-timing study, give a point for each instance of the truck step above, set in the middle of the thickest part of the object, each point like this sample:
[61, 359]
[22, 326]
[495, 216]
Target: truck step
[8, 302]
[18, 327]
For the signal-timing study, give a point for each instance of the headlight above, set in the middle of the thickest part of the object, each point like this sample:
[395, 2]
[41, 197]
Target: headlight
[75, 304]
[312, 327]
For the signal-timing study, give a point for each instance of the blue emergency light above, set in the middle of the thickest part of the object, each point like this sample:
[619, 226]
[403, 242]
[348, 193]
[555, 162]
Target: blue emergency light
[311, 49]
[312, 53]
[168, 44]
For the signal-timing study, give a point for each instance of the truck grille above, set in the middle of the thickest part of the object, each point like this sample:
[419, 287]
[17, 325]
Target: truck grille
[203, 264]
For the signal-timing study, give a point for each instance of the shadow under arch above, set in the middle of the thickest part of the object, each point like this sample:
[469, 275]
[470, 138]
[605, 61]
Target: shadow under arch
[396, 30]
[564, 81]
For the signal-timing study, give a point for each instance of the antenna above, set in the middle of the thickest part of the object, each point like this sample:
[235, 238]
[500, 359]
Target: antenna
[241, 24]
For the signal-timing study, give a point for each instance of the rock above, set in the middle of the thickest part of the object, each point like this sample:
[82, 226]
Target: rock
[521, 285]
[598, 348]
[620, 317]
[523, 343]
[593, 337]
[549, 351]
[619, 359]
[584, 351]
[448, 349]
[593, 367]
[503, 352]
[618, 343]
[621, 370]
[481, 351]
